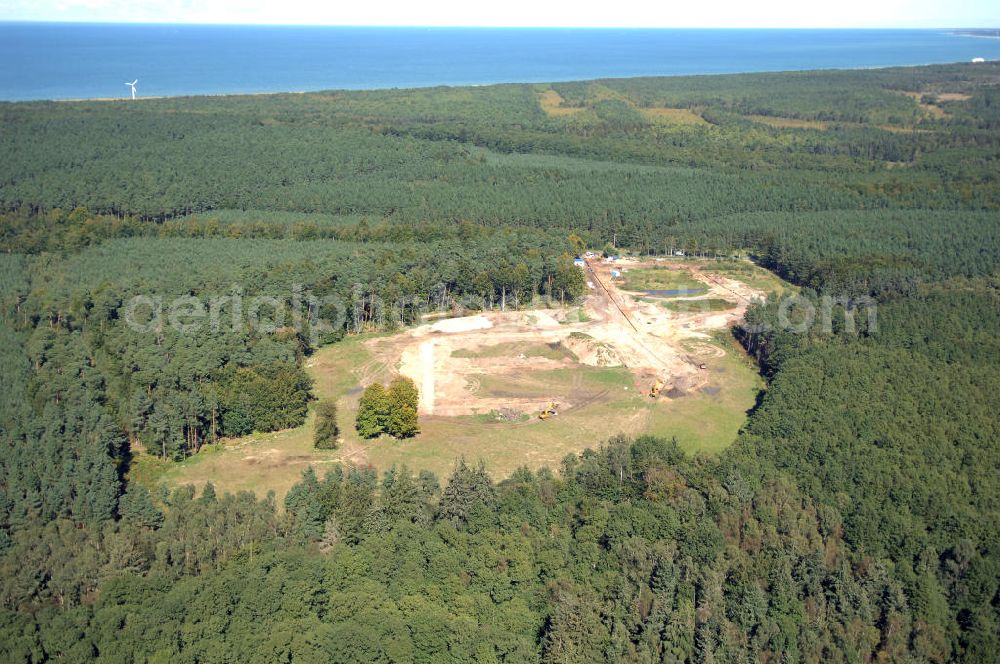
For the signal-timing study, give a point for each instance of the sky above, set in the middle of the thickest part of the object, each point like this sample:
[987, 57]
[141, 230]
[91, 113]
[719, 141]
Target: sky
[518, 13]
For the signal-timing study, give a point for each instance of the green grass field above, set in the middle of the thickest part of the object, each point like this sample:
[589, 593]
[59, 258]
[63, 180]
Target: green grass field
[660, 278]
[705, 305]
[554, 351]
[703, 422]
[752, 275]
[575, 315]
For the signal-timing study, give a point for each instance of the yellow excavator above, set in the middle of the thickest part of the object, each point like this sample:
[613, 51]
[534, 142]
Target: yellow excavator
[549, 411]
[654, 391]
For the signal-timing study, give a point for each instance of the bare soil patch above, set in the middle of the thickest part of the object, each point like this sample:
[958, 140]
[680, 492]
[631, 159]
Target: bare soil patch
[551, 102]
[683, 116]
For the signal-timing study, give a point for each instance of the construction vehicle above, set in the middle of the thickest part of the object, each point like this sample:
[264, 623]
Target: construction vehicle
[696, 363]
[549, 411]
[654, 391]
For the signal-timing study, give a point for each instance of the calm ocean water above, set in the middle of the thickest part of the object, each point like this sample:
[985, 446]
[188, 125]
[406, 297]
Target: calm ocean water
[65, 61]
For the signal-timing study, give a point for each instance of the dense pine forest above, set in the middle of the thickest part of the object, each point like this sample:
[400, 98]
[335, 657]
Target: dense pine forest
[855, 518]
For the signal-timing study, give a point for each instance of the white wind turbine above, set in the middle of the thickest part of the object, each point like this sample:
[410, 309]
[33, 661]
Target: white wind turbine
[132, 85]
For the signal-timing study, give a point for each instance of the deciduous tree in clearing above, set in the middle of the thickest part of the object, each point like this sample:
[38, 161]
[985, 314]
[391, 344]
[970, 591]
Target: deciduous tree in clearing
[373, 411]
[403, 399]
[326, 430]
[392, 411]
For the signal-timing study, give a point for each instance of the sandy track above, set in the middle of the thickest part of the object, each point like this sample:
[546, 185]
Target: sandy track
[427, 384]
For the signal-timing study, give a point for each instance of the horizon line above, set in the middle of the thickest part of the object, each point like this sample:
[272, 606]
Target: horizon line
[479, 27]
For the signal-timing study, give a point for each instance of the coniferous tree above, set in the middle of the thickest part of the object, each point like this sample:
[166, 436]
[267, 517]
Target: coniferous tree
[208, 494]
[469, 500]
[136, 506]
[304, 504]
[326, 429]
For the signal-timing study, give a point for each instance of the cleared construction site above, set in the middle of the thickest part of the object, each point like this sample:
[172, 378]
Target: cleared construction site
[496, 362]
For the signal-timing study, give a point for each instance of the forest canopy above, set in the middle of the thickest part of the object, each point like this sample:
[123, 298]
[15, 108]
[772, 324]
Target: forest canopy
[854, 518]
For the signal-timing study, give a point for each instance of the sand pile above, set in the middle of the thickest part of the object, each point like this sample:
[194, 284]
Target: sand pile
[592, 352]
[464, 324]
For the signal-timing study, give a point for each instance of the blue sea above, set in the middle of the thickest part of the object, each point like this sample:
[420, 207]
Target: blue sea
[72, 61]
